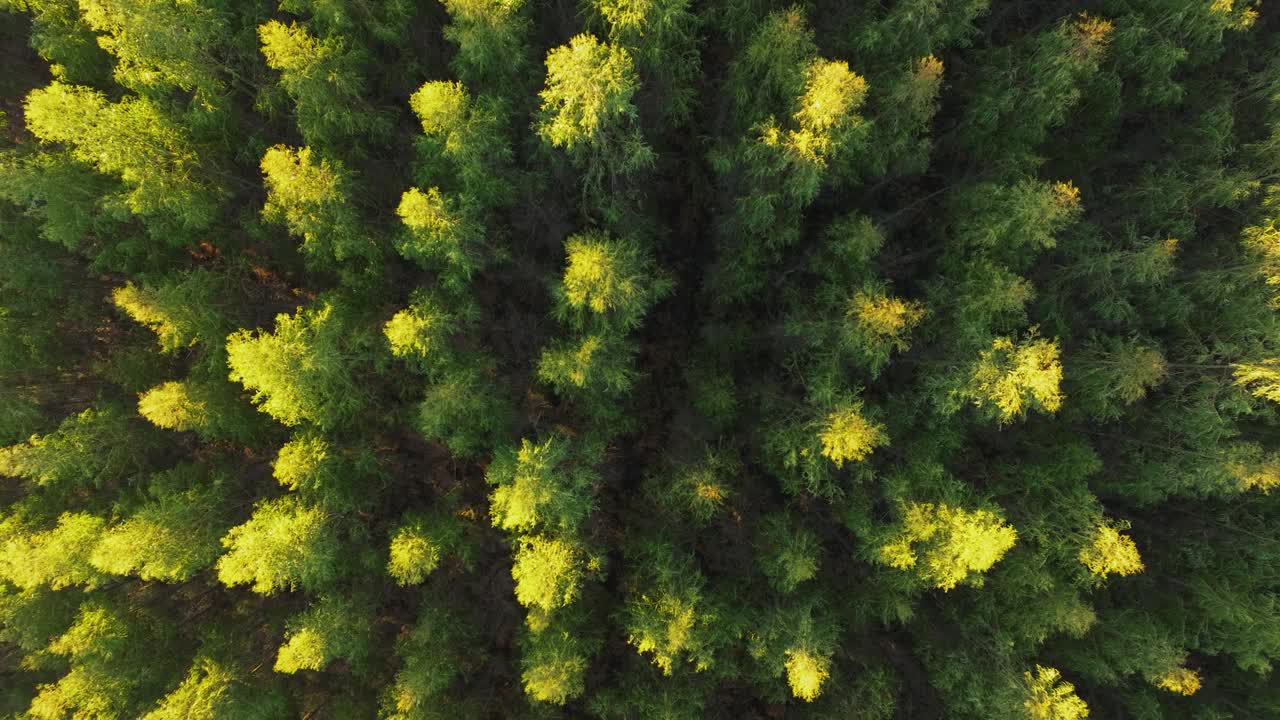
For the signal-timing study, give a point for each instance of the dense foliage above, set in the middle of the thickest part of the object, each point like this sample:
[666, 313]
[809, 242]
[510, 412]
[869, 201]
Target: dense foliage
[639, 359]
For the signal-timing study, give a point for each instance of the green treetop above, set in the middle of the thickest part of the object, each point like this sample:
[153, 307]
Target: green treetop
[285, 545]
[433, 655]
[332, 628]
[158, 44]
[134, 140]
[788, 553]
[668, 616]
[492, 40]
[323, 77]
[307, 192]
[302, 370]
[92, 449]
[543, 484]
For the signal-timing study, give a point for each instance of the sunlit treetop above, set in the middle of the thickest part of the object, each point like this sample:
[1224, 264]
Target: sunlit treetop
[285, 545]
[307, 192]
[211, 409]
[1252, 469]
[170, 538]
[669, 614]
[441, 232]
[614, 280]
[549, 572]
[1182, 681]
[1051, 698]
[806, 673]
[540, 484]
[876, 325]
[335, 477]
[214, 689]
[589, 89]
[1012, 378]
[334, 627]
[414, 555]
[1111, 552]
[1261, 378]
[322, 76]
[181, 313]
[300, 372]
[823, 124]
[420, 334]
[554, 667]
[56, 558]
[831, 93]
[162, 43]
[849, 435]
[662, 37]
[470, 133]
[945, 546]
[441, 106]
[134, 140]
[595, 364]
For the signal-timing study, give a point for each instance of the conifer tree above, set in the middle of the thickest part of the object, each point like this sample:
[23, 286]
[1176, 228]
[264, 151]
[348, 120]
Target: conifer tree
[135, 141]
[285, 545]
[323, 78]
[588, 111]
[307, 193]
[301, 371]
[639, 359]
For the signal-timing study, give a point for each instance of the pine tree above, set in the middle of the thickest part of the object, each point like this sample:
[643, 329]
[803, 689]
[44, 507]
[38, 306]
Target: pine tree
[323, 78]
[284, 545]
[639, 359]
[135, 141]
[307, 193]
[301, 371]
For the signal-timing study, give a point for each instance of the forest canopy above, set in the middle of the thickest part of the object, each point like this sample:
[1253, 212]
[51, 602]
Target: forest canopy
[639, 359]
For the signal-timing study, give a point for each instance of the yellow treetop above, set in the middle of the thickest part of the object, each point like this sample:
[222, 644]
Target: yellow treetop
[850, 436]
[832, 92]
[1261, 378]
[1179, 680]
[1049, 698]
[885, 317]
[806, 672]
[951, 542]
[1014, 377]
[1112, 552]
